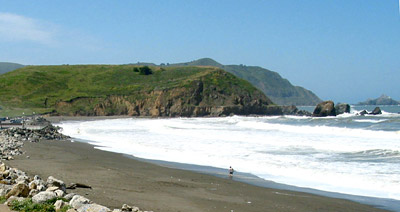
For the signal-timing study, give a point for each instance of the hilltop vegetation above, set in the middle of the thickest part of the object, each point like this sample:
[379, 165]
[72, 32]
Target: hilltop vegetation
[278, 89]
[120, 90]
[6, 67]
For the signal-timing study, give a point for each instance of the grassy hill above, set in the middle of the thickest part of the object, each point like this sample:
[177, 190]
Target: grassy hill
[278, 89]
[6, 67]
[119, 90]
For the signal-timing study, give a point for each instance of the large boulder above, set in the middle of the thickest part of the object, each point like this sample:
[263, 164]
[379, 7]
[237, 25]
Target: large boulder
[93, 208]
[78, 201]
[324, 109]
[43, 196]
[53, 182]
[376, 111]
[342, 108]
[19, 190]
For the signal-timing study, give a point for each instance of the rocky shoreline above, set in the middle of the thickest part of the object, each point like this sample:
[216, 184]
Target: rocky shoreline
[18, 186]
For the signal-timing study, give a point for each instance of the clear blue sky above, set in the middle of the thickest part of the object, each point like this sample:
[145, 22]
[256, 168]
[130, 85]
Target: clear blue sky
[343, 50]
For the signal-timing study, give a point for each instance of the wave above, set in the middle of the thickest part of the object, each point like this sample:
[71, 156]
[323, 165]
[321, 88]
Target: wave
[294, 151]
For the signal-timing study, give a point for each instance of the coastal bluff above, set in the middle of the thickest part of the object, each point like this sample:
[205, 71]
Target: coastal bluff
[108, 90]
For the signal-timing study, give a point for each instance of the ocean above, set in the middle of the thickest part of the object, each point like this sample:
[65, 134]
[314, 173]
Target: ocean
[348, 154]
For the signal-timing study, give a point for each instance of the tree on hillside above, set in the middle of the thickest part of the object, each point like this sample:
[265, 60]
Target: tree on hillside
[145, 70]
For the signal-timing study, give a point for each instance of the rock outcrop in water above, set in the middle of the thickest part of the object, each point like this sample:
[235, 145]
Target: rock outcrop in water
[323, 109]
[342, 108]
[376, 111]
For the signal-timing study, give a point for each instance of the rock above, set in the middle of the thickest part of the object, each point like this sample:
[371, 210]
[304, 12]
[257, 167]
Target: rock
[69, 196]
[77, 201]
[376, 111]
[19, 190]
[59, 193]
[41, 187]
[32, 185]
[71, 210]
[117, 210]
[43, 196]
[5, 174]
[4, 189]
[53, 188]
[3, 167]
[324, 109]
[342, 108]
[58, 205]
[293, 110]
[12, 199]
[33, 192]
[364, 112]
[93, 208]
[126, 207]
[53, 182]
[22, 179]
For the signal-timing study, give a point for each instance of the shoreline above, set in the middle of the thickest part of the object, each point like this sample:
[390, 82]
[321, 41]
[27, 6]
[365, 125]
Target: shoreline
[119, 179]
[248, 178]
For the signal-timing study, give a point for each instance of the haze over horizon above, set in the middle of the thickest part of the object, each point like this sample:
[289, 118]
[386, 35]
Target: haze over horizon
[346, 51]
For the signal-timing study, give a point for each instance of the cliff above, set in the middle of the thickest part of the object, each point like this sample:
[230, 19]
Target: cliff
[119, 90]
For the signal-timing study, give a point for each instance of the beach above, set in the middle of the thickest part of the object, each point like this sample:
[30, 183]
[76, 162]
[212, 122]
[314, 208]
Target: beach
[116, 179]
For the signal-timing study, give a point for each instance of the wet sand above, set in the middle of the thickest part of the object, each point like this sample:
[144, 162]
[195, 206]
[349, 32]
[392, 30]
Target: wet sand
[117, 179]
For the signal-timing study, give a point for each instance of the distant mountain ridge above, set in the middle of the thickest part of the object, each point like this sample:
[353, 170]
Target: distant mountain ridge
[278, 89]
[382, 100]
[6, 67]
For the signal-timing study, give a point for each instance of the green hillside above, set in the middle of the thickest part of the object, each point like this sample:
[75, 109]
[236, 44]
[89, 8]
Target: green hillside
[278, 89]
[6, 67]
[120, 90]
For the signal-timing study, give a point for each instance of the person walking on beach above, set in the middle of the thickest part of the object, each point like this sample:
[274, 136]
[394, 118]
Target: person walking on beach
[231, 171]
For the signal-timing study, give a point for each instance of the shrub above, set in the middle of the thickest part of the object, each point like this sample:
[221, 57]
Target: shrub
[145, 70]
[28, 206]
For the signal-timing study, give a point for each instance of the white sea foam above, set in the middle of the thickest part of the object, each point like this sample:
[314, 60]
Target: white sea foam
[309, 154]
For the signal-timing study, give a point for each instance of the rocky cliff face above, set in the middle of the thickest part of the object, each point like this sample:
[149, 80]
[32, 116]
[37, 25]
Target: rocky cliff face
[201, 97]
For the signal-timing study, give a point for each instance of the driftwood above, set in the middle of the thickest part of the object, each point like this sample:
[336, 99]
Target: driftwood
[78, 185]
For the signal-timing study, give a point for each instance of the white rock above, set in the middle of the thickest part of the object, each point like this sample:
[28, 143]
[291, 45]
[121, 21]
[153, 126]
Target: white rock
[77, 201]
[53, 188]
[59, 193]
[43, 196]
[93, 208]
[51, 181]
[58, 205]
[33, 192]
[69, 196]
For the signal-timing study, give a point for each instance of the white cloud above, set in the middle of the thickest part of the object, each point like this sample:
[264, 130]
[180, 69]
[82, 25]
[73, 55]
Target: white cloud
[20, 28]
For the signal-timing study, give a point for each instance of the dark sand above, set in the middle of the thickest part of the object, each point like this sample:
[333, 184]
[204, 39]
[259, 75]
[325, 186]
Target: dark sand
[117, 179]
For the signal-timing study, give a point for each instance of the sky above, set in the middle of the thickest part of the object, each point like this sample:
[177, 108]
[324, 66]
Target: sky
[342, 50]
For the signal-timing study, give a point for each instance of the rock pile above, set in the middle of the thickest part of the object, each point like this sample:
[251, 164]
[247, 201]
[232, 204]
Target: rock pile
[49, 132]
[17, 185]
[11, 140]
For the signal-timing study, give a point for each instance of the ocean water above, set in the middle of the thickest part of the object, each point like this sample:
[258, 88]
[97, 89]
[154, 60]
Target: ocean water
[357, 155]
